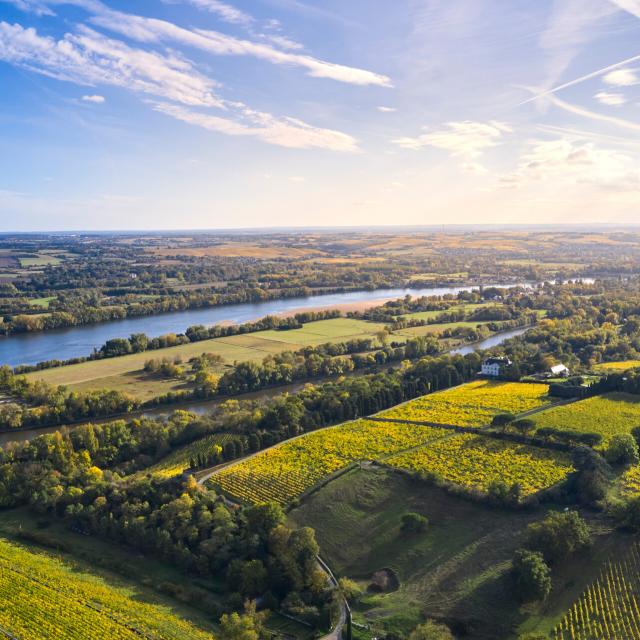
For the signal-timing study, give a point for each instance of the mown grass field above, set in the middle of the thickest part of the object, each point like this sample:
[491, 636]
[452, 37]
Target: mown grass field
[126, 372]
[474, 462]
[607, 415]
[472, 404]
[433, 329]
[42, 596]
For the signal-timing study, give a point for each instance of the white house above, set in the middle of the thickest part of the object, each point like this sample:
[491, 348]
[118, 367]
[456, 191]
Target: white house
[494, 366]
[559, 371]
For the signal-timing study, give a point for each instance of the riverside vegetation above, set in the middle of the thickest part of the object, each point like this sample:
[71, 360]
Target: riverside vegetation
[493, 522]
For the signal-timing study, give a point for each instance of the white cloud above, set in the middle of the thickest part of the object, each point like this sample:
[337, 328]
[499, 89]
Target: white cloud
[631, 6]
[386, 109]
[592, 115]
[465, 139]
[283, 42]
[94, 98]
[32, 6]
[88, 58]
[610, 99]
[152, 30]
[284, 132]
[225, 11]
[621, 78]
[566, 160]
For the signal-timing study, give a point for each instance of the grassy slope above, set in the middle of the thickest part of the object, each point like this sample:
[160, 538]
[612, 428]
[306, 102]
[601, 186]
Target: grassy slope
[125, 372]
[456, 571]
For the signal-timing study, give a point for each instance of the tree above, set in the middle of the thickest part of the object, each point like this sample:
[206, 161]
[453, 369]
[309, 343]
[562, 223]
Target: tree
[262, 518]
[531, 575]
[431, 630]
[413, 522]
[623, 449]
[247, 626]
[350, 589]
[590, 482]
[524, 425]
[502, 420]
[558, 536]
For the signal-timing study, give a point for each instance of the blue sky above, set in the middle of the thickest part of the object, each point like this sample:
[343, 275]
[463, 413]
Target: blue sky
[211, 114]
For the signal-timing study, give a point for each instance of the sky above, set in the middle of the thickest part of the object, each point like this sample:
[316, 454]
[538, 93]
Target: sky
[174, 114]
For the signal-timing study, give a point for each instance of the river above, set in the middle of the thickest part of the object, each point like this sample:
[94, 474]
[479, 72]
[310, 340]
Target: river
[74, 342]
[201, 408]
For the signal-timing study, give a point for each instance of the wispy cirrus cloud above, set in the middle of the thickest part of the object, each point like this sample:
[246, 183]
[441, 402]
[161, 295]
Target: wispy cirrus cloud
[284, 132]
[225, 11]
[466, 139]
[89, 58]
[31, 6]
[153, 30]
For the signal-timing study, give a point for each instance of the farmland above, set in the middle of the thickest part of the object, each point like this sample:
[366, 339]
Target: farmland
[42, 596]
[607, 415]
[475, 462]
[125, 373]
[473, 404]
[618, 367]
[286, 471]
[609, 609]
[179, 460]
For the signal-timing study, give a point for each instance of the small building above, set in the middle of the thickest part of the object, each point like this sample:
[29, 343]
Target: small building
[494, 367]
[559, 371]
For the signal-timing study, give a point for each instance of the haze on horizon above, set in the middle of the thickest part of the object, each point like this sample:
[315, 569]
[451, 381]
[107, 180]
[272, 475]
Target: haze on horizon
[213, 114]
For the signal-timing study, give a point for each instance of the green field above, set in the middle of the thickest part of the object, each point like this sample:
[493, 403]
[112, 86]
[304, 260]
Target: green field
[125, 372]
[432, 329]
[43, 260]
[430, 315]
[42, 303]
[45, 596]
[607, 415]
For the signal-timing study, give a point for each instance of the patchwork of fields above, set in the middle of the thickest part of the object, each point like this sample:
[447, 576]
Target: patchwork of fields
[473, 404]
[610, 607]
[125, 372]
[607, 415]
[288, 470]
[42, 597]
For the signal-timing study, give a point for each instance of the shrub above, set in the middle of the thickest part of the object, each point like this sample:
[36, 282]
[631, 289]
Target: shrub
[431, 630]
[558, 536]
[623, 449]
[414, 523]
[531, 574]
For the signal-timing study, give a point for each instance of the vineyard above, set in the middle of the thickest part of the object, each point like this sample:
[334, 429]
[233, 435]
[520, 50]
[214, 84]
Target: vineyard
[286, 471]
[42, 597]
[475, 462]
[618, 367]
[180, 459]
[607, 415]
[472, 404]
[630, 481]
[610, 607]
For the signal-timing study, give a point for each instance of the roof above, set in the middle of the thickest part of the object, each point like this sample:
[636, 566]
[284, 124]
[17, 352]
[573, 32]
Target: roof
[490, 361]
[558, 368]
